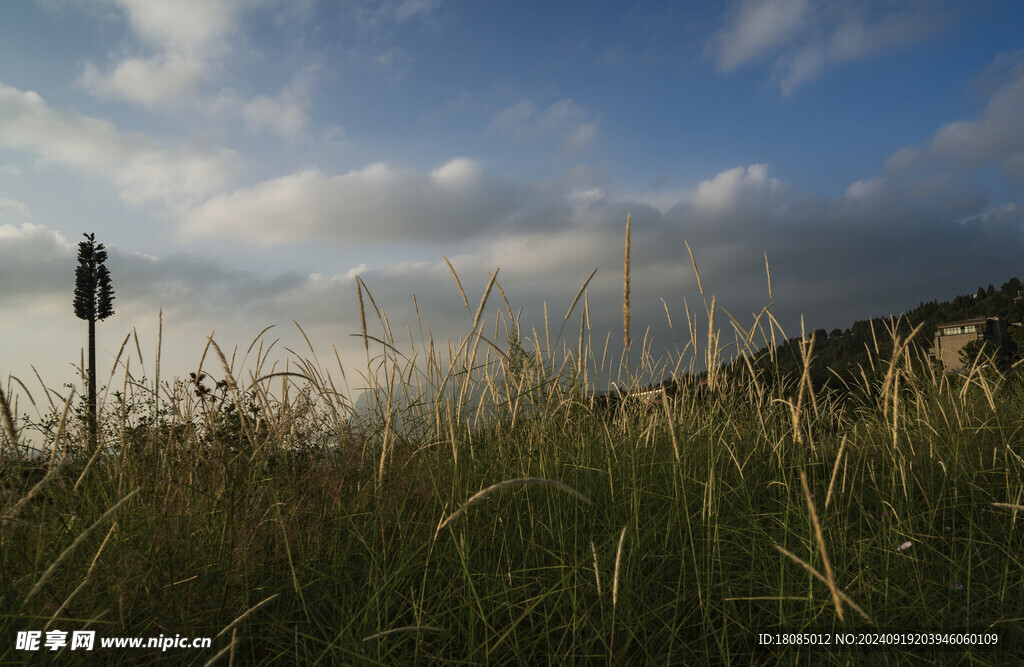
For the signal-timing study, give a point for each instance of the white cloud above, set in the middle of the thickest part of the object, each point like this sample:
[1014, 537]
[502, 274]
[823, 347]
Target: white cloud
[284, 113]
[280, 114]
[457, 173]
[15, 206]
[373, 25]
[189, 26]
[854, 39]
[865, 189]
[1007, 213]
[140, 169]
[997, 137]
[413, 8]
[758, 28]
[581, 136]
[393, 62]
[186, 39]
[564, 119]
[185, 45]
[148, 81]
[376, 203]
[372, 17]
[738, 189]
[32, 262]
[799, 40]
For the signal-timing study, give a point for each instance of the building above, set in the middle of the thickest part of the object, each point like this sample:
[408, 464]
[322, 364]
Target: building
[951, 337]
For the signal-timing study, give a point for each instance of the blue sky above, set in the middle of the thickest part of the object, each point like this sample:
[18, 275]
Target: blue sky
[243, 161]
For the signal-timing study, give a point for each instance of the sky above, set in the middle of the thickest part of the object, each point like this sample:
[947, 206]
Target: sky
[243, 161]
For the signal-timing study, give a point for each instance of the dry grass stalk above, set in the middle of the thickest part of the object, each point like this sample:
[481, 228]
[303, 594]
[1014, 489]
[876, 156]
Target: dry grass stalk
[668, 315]
[835, 469]
[28, 393]
[711, 352]
[457, 282]
[597, 573]
[385, 344]
[618, 564]
[695, 271]
[497, 349]
[92, 459]
[408, 628]
[581, 361]
[1010, 506]
[260, 362]
[228, 376]
[480, 496]
[843, 596]
[159, 347]
[245, 615]
[229, 649]
[579, 294]
[671, 426]
[891, 376]
[385, 447]
[78, 540]
[85, 579]
[975, 376]
[747, 335]
[625, 286]
[604, 356]
[260, 335]
[796, 411]
[547, 332]
[11, 514]
[362, 314]
[5, 413]
[67, 600]
[483, 300]
[138, 349]
[508, 306]
[821, 547]
[874, 338]
[117, 358]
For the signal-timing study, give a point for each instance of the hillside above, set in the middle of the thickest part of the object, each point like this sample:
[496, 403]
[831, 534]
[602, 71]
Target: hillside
[839, 355]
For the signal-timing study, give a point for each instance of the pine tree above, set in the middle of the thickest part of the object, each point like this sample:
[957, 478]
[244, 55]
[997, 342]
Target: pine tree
[94, 299]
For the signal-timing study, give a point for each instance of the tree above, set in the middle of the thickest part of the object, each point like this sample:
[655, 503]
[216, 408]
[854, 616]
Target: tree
[1015, 342]
[983, 352]
[94, 299]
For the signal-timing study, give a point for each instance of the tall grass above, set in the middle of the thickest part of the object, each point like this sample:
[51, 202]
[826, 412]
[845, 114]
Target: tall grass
[488, 510]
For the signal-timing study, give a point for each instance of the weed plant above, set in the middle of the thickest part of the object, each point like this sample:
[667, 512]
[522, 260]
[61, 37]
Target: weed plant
[488, 510]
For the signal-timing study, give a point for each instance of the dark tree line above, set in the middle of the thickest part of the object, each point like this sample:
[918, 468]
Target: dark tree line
[839, 355]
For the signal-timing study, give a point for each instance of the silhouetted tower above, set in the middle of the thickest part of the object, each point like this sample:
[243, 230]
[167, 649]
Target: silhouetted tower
[94, 298]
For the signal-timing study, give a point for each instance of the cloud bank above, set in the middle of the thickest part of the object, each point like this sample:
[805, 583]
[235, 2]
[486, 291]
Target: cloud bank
[798, 40]
[140, 169]
[183, 42]
[376, 203]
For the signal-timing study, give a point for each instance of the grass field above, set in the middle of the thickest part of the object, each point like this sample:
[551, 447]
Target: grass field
[487, 511]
